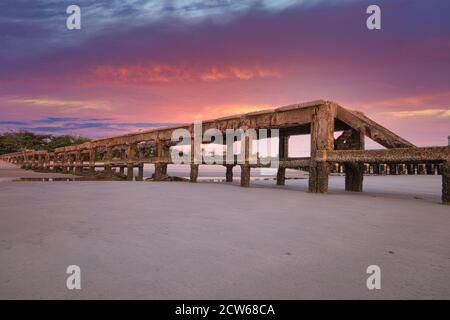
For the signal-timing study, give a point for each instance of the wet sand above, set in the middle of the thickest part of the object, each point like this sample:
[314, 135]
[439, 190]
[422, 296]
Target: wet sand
[177, 240]
[10, 172]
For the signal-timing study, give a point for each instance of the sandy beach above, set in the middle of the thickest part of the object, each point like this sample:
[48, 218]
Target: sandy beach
[178, 240]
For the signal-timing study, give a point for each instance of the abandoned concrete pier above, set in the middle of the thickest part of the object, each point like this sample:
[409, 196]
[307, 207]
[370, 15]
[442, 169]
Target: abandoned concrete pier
[320, 119]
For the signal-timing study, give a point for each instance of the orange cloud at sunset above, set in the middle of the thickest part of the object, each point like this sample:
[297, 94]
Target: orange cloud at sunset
[218, 111]
[217, 74]
[165, 73]
[62, 105]
[440, 113]
[426, 100]
[136, 74]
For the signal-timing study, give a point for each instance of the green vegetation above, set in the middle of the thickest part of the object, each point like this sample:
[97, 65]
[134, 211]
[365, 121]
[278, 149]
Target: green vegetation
[14, 141]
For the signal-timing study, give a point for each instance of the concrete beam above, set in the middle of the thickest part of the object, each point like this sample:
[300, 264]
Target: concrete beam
[406, 155]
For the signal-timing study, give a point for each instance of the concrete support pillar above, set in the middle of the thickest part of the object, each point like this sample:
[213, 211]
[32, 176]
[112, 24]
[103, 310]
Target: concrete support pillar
[194, 172]
[47, 162]
[65, 162]
[33, 161]
[376, 169]
[318, 177]
[29, 163]
[245, 175]
[69, 167]
[108, 159]
[283, 154]
[322, 140]
[160, 168]
[403, 170]
[53, 163]
[78, 163]
[354, 174]
[409, 168]
[140, 176]
[160, 171]
[446, 182]
[245, 167]
[281, 176]
[130, 172]
[92, 155]
[194, 166]
[229, 173]
[391, 169]
[40, 162]
[421, 169]
[131, 151]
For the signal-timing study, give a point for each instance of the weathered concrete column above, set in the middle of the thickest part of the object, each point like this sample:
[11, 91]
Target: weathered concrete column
[78, 163]
[322, 140]
[245, 167]
[160, 167]
[194, 166]
[40, 162]
[130, 172]
[194, 173]
[409, 169]
[245, 175]
[376, 169]
[47, 162]
[92, 155]
[70, 168]
[53, 163]
[33, 161]
[281, 176]
[29, 162]
[160, 171]
[421, 169]
[403, 170]
[283, 153]
[229, 173]
[354, 172]
[107, 160]
[140, 175]
[446, 182]
[65, 162]
[130, 164]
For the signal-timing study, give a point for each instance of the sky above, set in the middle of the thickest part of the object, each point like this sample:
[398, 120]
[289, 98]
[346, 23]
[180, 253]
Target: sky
[137, 64]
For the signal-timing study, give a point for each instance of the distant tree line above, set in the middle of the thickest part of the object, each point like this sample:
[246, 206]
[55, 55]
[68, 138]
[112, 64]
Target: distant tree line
[14, 141]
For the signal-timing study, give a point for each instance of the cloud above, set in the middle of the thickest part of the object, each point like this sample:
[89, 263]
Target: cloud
[64, 105]
[16, 123]
[238, 73]
[222, 110]
[26, 19]
[136, 74]
[165, 73]
[438, 113]
[419, 100]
